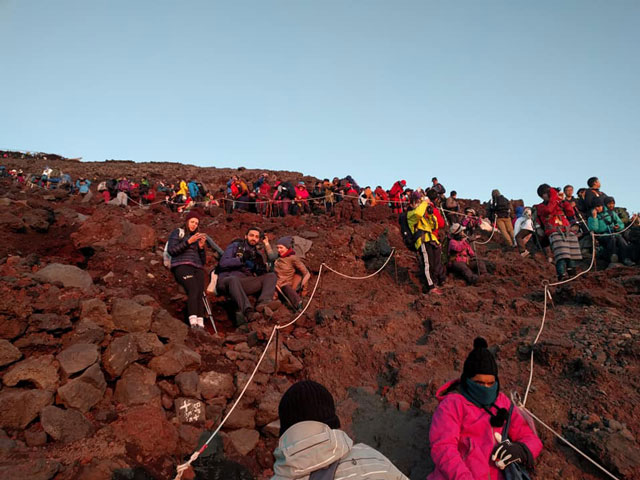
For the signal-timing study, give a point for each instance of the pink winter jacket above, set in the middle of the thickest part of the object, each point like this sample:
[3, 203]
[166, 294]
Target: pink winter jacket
[461, 437]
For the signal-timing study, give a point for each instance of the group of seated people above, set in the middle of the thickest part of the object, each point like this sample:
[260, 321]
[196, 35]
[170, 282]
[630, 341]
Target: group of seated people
[249, 266]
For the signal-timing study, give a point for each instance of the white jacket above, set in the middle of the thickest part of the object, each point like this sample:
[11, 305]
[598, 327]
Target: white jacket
[309, 446]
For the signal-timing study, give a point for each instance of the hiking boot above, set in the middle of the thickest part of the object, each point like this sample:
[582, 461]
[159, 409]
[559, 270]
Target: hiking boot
[240, 319]
[435, 291]
[273, 305]
[525, 254]
[628, 262]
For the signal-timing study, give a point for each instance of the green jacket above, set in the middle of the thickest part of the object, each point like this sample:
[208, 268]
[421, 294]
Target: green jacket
[605, 222]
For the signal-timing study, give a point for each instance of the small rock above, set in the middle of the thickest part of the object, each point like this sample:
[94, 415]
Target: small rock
[166, 326]
[50, 322]
[268, 407]
[8, 353]
[85, 391]
[148, 342]
[242, 418]
[244, 440]
[41, 371]
[130, 316]
[215, 384]
[87, 331]
[272, 429]
[77, 357]
[18, 407]
[137, 386]
[33, 469]
[65, 425]
[176, 359]
[189, 410]
[69, 275]
[188, 382]
[147, 429]
[120, 353]
[95, 310]
[35, 436]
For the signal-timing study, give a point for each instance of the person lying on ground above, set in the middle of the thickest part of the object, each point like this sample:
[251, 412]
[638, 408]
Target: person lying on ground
[312, 446]
[188, 258]
[465, 433]
[242, 272]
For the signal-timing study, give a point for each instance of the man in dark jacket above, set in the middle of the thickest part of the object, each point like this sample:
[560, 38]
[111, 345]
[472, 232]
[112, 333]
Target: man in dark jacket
[500, 212]
[242, 272]
[593, 192]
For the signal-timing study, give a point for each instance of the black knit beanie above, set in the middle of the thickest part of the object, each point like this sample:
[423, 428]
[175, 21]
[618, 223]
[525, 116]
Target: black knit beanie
[480, 361]
[307, 400]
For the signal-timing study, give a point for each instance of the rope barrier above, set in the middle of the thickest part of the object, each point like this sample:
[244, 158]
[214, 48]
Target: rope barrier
[516, 400]
[181, 469]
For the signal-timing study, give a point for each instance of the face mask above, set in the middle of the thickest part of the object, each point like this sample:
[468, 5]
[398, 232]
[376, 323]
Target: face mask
[479, 394]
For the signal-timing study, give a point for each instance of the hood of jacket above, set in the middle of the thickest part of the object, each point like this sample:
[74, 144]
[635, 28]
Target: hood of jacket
[309, 446]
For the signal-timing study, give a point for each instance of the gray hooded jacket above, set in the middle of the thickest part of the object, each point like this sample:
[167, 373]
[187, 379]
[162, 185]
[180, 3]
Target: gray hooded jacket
[309, 446]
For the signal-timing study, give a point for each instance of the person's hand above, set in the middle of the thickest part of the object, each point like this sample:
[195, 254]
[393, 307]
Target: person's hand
[265, 240]
[507, 452]
[202, 242]
[195, 238]
[594, 213]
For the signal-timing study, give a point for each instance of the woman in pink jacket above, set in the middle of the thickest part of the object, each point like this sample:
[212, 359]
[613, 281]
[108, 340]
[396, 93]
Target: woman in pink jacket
[466, 427]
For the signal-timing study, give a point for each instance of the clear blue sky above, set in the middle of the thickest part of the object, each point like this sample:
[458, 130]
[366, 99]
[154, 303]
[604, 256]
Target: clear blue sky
[482, 94]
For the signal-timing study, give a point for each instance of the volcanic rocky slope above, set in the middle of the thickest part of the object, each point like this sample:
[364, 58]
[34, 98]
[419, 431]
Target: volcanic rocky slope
[101, 378]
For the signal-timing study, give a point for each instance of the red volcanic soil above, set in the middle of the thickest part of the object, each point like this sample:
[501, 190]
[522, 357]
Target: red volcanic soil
[95, 376]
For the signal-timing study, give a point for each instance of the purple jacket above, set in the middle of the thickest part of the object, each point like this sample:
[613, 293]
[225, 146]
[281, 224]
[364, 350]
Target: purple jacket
[461, 437]
[183, 253]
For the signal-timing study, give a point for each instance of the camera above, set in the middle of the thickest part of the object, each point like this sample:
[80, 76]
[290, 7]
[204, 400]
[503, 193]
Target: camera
[430, 209]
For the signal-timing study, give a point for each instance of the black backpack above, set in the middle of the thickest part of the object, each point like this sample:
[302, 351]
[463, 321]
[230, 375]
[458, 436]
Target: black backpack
[408, 237]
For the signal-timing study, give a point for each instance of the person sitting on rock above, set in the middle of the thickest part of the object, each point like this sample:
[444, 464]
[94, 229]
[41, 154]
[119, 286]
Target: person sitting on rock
[188, 257]
[523, 231]
[421, 218]
[607, 221]
[293, 275]
[470, 222]
[312, 446]
[564, 243]
[243, 271]
[465, 432]
[462, 258]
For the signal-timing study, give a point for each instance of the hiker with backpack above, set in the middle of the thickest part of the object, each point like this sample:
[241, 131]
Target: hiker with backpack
[395, 193]
[564, 243]
[467, 434]
[186, 246]
[422, 225]
[242, 271]
[500, 213]
[312, 446]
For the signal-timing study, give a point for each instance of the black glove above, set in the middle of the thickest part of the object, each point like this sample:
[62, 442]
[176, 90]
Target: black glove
[507, 452]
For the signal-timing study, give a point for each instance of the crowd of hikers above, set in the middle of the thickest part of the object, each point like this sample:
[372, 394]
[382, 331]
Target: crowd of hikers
[476, 432]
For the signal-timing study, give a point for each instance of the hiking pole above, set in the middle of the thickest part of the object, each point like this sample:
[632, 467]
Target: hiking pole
[285, 297]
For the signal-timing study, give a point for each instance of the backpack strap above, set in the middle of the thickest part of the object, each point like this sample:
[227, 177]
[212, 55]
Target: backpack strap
[326, 473]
